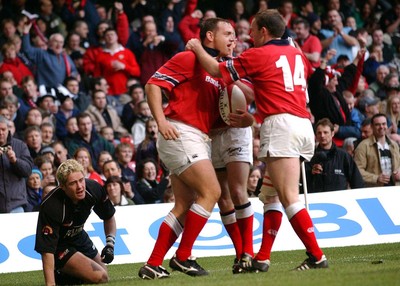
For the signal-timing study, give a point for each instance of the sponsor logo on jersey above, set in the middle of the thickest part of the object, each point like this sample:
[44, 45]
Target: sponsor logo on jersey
[47, 230]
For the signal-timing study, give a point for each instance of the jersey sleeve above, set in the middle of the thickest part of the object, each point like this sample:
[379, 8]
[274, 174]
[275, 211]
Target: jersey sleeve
[102, 205]
[178, 69]
[48, 229]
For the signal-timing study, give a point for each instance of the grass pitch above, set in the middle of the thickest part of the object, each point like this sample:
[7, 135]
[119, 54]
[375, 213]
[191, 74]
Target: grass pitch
[358, 265]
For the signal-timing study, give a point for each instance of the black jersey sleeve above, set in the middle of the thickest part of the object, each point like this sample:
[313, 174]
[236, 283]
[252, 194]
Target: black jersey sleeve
[102, 205]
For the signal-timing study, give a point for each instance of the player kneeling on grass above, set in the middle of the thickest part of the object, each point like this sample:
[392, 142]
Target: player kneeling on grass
[68, 254]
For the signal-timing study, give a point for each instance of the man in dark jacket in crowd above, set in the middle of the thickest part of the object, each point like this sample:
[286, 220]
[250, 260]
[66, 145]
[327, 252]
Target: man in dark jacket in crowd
[15, 166]
[331, 168]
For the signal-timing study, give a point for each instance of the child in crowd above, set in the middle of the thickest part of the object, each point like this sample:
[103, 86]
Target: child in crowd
[108, 133]
[34, 190]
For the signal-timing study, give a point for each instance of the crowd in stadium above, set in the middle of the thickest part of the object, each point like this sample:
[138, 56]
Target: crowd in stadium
[72, 77]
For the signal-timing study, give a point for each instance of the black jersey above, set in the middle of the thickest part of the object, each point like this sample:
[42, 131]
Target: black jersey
[61, 222]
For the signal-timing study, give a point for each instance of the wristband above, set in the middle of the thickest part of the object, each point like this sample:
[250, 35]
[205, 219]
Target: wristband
[110, 240]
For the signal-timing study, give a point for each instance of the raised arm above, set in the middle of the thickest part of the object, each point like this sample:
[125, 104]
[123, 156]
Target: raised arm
[207, 61]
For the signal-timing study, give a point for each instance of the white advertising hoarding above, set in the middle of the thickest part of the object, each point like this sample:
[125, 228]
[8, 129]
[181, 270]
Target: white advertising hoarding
[343, 218]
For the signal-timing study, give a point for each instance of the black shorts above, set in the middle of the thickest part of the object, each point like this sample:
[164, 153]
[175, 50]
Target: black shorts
[83, 245]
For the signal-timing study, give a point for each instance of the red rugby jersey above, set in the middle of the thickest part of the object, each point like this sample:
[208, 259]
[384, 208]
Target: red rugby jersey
[279, 73]
[193, 93]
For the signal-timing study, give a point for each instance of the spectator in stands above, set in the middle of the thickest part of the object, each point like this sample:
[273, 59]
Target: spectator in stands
[30, 95]
[337, 37]
[147, 148]
[81, 28]
[116, 64]
[253, 182]
[66, 110]
[154, 51]
[103, 157]
[6, 88]
[34, 190]
[55, 64]
[124, 156]
[326, 98]
[103, 114]
[8, 30]
[73, 11]
[378, 157]
[122, 27]
[72, 126]
[369, 105]
[356, 115]
[116, 192]
[331, 168]
[16, 167]
[48, 131]
[111, 168]
[151, 190]
[348, 145]
[82, 155]
[49, 153]
[377, 86]
[33, 139]
[107, 132]
[13, 64]
[390, 23]
[34, 117]
[72, 44]
[12, 104]
[47, 169]
[373, 62]
[393, 113]
[60, 153]
[309, 44]
[53, 21]
[87, 137]
[81, 99]
[368, 18]
[388, 51]
[189, 24]
[138, 130]
[286, 10]
[131, 109]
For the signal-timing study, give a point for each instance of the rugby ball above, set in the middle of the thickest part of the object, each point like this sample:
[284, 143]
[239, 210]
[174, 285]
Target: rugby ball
[232, 98]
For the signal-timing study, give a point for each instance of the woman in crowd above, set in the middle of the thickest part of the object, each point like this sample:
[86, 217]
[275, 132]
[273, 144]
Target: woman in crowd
[253, 182]
[82, 155]
[147, 185]
[115, 190]
[393, 114]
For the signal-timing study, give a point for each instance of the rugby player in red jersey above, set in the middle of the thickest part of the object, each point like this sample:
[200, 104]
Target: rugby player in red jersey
[279, 74]
[184, 147]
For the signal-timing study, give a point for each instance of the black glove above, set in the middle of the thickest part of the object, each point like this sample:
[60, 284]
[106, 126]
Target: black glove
[107, 254]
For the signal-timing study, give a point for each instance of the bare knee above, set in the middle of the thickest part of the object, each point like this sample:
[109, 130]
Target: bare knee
[99, 277]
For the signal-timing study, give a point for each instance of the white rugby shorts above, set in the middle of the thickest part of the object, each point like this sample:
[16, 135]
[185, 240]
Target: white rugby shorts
[193, 145]
[231, 145]
[286, 135]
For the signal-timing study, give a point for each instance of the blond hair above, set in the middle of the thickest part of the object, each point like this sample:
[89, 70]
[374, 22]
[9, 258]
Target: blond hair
[66, 168]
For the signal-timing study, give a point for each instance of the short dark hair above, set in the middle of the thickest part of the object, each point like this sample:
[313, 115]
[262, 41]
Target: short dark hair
[301, 20]
[376, 116]
[325, 122]
[272, 20]
[210, 25]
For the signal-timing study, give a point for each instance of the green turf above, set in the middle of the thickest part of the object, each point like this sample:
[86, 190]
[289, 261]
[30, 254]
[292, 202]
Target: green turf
[360, 265]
